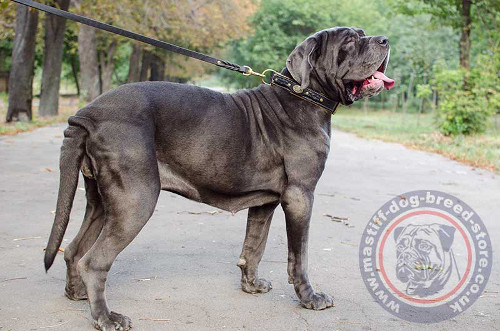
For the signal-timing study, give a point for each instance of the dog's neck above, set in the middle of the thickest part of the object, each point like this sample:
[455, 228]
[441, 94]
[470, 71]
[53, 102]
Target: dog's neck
[301, 113]
[274, 111]
[323, 87]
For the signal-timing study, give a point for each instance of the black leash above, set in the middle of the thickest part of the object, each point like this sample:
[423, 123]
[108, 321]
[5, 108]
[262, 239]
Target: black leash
[276, 79]
[135, 36]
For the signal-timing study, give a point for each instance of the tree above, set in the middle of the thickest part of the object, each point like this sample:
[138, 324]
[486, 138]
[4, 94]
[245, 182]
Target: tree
[7, 19]
[52, 61]
[87, 53]
[195, 24]
[106, 63]
[157, 68]
[147, 57]
[23, 57]
[459, 14]
[134, 71]
[465, 27]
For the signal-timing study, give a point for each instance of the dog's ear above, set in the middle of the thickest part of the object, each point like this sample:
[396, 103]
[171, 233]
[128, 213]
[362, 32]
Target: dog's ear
[359, 31]
[397, 232]
[302, 60]
[446, 235]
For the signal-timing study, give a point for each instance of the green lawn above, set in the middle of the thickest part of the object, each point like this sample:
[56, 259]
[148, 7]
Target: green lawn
[480, 150]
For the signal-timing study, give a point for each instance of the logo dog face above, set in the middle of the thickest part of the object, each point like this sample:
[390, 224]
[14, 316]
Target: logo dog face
[425, 260]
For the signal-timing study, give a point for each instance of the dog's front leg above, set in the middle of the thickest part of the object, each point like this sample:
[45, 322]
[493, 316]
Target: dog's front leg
[297, 204]
[259, 220]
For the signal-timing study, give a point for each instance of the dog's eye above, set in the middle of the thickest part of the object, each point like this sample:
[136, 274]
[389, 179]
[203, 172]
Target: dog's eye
[424, 246]
[349, 40]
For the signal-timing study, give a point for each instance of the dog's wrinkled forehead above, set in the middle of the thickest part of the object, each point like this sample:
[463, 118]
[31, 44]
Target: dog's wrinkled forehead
[441, 235]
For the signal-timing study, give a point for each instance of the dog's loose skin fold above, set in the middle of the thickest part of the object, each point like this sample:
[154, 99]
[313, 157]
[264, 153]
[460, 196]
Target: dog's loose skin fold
[252, 149]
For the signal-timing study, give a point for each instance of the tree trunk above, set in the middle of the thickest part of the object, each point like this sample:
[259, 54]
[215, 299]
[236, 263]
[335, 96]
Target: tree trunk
[107, 65]
[464, 47]
[75, 75]
[157, 68]
[146, 63]
[23, 58]
[52, 61]
[409, 96]
[420, 110]
[134, 68]
[422, 102]
[434, 101]
[89, 71]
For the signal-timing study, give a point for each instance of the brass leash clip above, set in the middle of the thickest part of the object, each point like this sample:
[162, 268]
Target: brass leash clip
[249, 72]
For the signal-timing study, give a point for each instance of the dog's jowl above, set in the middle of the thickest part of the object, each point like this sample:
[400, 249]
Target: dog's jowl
[254, 149]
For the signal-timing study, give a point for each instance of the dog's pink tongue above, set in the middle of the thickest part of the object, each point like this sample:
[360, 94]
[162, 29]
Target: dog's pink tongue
[388, 83]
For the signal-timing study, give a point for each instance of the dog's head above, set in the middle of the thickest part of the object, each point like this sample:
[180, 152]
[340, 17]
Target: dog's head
[343, 63]
[423, 257]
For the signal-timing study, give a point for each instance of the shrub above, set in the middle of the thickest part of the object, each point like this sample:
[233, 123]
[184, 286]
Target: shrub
[462, 113]
[464, 108]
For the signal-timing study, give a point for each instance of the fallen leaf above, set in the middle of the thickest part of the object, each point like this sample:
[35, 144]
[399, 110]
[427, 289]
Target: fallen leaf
[343, 220]
[53, 326]
[26, 238]
[60, 249]
[145, 279]
[15, 278]
[213, 212]
[154, 319]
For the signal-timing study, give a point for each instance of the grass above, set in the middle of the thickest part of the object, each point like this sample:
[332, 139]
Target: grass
[482, 151]
[67, 107]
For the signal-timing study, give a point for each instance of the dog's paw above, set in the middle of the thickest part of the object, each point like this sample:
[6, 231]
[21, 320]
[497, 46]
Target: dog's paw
[113, 322]
[318, 301]
[258, 286]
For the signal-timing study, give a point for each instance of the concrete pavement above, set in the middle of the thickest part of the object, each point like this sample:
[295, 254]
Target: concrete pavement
[182, 267]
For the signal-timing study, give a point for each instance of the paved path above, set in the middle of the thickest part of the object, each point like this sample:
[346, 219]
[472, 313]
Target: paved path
[182, 266]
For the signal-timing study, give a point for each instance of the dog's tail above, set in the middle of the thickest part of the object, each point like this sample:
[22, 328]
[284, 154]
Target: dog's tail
[72, 152]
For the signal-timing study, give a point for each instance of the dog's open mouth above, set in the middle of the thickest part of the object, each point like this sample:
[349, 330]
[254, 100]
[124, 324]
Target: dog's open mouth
[371, 85]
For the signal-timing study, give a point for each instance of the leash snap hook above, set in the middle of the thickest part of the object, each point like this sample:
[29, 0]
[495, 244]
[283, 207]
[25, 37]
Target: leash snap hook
[249, 72]
[264, 76]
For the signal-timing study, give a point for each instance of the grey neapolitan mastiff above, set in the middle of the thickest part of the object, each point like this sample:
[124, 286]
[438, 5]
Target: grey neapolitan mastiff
[252, 149]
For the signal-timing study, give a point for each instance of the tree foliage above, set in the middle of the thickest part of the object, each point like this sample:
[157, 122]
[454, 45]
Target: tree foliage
[279, 25]
[426, 53]
[425, 37]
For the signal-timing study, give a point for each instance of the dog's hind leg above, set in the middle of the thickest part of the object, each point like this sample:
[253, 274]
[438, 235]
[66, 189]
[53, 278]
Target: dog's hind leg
[86, 237]
[129, 185]
[259, 220]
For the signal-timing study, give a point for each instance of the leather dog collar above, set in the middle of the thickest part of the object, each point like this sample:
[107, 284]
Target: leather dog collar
[289, 84]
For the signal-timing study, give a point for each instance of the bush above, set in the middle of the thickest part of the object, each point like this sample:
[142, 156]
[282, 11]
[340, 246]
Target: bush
[464, 107]
[462, 113]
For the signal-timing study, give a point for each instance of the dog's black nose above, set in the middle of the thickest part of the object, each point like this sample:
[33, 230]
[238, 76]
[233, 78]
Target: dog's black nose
[403, 274]
[382, 40]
